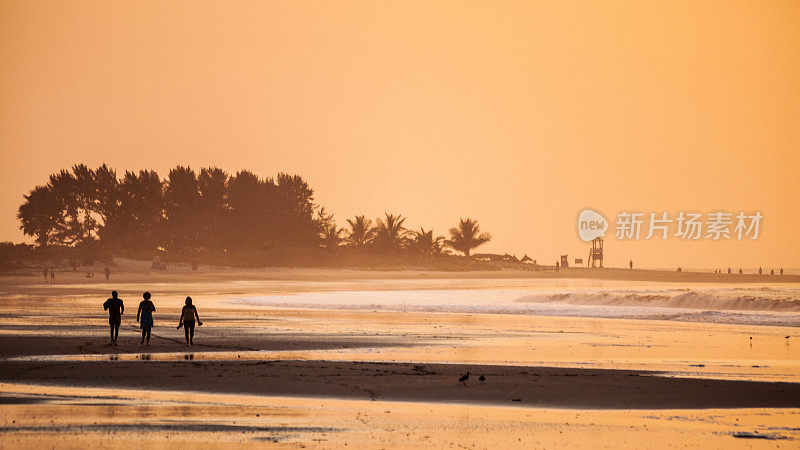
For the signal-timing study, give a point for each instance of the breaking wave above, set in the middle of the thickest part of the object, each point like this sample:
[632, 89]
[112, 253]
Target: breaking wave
[751, 306]
[733, 300]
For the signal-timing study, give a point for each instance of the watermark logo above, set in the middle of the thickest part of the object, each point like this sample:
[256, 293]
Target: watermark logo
[686, 225]
[591, 225]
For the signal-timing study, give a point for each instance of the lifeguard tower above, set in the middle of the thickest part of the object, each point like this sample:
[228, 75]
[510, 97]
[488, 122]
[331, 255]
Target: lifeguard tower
[596, 253]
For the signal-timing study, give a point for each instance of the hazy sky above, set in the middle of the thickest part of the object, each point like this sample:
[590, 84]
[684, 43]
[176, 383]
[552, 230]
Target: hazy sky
[518, 114]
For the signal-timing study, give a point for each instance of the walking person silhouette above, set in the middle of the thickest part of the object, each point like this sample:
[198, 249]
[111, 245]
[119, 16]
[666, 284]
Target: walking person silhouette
[188, 314]
[145, 317]
[115, 309]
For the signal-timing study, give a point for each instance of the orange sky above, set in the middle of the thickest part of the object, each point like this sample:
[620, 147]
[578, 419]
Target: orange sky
[518, 114]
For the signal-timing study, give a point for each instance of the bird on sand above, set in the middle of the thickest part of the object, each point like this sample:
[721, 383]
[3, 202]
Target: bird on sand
[482, 379]
[464, 378]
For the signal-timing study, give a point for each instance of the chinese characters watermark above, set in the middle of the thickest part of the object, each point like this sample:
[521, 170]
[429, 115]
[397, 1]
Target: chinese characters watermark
[686, 225]
[689, 225]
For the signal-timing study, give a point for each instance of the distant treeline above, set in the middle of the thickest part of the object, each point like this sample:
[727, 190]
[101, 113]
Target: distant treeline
[211, 211]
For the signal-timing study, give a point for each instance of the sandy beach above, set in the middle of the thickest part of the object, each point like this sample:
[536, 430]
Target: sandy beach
[372, 359]
[468, 225]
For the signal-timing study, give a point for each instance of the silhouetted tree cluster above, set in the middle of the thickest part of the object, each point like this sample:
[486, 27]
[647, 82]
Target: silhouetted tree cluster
[389, 235]
[185, 212]
[211, 211]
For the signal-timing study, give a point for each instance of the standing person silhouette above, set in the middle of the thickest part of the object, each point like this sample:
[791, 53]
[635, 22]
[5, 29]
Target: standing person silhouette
[107, 272]
[115, 309]
[188, 314]
[52, 275]
[631, 263]
[145, 312]
[45, 272]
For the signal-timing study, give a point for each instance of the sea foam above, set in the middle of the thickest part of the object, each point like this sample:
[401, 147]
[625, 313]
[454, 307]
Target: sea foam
[749, 306]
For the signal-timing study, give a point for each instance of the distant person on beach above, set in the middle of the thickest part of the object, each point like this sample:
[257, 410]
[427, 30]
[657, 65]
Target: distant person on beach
[45, 272]
[772, 272]
[188, 314]
[145, 317]
[740, 270]
[558, 266]
[759, 270]
[729, 270]
[679, 269]
[630, 263]
[115, 309]
[781, 270]
[52, 275]
[107, 272]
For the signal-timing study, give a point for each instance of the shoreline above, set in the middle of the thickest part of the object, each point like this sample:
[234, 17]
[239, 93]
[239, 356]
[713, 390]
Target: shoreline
[183, 273]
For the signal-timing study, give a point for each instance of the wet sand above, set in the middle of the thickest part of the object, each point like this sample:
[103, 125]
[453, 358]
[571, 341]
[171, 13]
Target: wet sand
[97, 417]
[504, 385]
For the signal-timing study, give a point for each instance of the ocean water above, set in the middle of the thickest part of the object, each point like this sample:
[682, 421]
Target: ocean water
[775, 306]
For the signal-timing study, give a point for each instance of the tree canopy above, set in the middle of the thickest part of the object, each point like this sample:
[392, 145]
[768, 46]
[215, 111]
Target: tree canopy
[184, 212]
[211, 210]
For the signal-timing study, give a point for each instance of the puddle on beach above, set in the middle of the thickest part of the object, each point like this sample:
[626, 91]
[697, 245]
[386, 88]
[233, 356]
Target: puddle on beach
[167, 356]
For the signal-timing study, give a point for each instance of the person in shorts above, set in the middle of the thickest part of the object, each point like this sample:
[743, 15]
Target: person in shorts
[115, 309]
[188, 316]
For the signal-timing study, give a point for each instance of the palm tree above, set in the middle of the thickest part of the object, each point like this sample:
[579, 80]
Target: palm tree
[390, 235]
[360, 232]
[424, 242]
[332, 236]
[467, 236]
